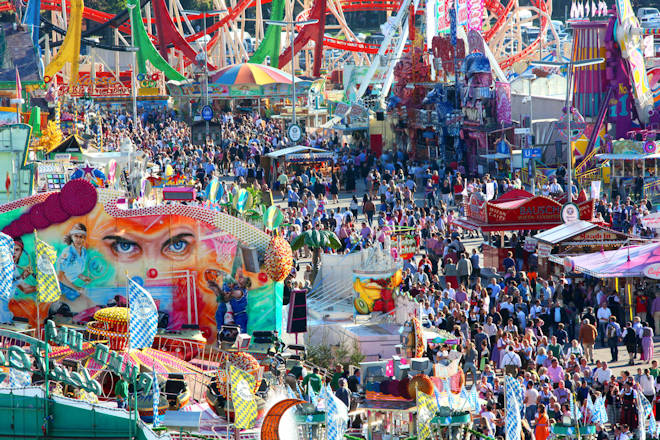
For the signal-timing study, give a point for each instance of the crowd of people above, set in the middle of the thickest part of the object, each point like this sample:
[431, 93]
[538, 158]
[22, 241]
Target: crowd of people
[541, 329]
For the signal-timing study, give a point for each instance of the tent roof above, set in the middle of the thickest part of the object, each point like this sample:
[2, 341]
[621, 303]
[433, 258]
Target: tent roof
[625, 262]
[71, 144]
[295, 149]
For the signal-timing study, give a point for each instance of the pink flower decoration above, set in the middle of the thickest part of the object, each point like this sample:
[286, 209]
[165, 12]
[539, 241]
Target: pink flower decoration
[53, 211]
[24, 224]
[78, 197]
[37, 216]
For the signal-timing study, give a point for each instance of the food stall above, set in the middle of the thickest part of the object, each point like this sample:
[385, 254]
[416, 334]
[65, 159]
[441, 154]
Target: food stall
[297, 159]
[629, 270]
[575, 238]
[514, 211]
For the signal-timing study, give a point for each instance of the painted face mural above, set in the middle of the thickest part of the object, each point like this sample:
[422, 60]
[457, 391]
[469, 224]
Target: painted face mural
[184, 256]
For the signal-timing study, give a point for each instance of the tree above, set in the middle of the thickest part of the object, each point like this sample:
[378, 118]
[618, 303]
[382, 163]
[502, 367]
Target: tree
[316, 240]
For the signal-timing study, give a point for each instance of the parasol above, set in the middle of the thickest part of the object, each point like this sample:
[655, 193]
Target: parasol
[250, 74]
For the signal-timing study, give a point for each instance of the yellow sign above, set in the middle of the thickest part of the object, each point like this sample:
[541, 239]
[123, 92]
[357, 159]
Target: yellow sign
[148, 91]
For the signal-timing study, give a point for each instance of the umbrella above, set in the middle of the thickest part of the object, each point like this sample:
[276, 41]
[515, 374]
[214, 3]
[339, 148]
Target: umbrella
[250, 74]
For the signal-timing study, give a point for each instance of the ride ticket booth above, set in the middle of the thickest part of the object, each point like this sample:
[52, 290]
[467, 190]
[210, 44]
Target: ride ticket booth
[513, 212]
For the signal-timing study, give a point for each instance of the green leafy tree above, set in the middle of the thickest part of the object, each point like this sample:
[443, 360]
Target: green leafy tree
[316, 240]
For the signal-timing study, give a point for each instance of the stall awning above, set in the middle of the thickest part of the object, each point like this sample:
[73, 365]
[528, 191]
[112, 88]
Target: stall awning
[473, 225]
[624, 156]
[556, 235]
[495, 156]
[625, 262]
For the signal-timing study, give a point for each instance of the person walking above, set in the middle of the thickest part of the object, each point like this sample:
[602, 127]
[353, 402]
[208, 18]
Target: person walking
[588, 335]
[613, 334]
[464, 269]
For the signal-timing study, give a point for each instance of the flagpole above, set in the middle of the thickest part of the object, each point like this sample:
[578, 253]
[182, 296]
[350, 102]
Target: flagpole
[128, 345]
[577, 420]
[46, 349]
[37, 300]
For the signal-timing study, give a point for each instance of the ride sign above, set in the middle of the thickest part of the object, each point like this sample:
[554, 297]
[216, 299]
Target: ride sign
[18, 357]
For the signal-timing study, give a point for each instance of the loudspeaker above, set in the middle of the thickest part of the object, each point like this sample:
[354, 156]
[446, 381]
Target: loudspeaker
[250, 259]
[297, 322]
[380, 116]
[263, 337]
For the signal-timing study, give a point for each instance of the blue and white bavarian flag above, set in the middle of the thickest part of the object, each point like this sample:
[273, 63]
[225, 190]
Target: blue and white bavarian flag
[6, 267]
[143, 316]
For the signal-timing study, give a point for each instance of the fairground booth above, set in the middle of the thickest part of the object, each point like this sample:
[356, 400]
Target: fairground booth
[631, 168]
[631, 270]
[575, 238]
[297, 159]
[514, 211]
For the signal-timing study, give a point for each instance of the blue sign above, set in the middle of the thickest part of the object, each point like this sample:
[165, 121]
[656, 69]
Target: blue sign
[532, 153]
[207, 113]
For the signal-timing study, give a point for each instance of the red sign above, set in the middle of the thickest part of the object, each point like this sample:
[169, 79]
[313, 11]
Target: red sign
[508, 210]
[597, 234]
[535, 209]
[476, 209]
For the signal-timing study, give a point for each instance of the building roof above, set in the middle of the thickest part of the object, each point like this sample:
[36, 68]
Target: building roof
[17, 50]
[565, 231]
[295, 149]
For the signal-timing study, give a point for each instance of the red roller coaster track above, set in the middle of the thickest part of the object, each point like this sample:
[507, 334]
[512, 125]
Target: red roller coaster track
[494, 6]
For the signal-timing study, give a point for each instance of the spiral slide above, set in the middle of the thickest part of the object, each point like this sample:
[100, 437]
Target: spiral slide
[626, 34]
[70, 50]
[147, 50]
[270, 45]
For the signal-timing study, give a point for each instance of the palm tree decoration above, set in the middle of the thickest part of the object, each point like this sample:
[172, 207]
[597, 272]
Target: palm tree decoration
[316, 240]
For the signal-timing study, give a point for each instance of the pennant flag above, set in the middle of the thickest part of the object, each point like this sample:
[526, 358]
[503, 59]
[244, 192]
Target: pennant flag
[273, 217]
[446, 387]
[313, 398]
[515, 389]
[143, 316]
[575, 410]
[473, 399]
[641, 418]
[426, 409]
[156, 399]
[48, 286]
[647, 413]
[242, 396]
[336, 415]
[19, 86]
[214, 190]
[598, 411]
[512, 419]
[243, 200]
[6, 267]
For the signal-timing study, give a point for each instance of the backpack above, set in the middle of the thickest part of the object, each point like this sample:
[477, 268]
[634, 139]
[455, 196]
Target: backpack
[611, 331]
